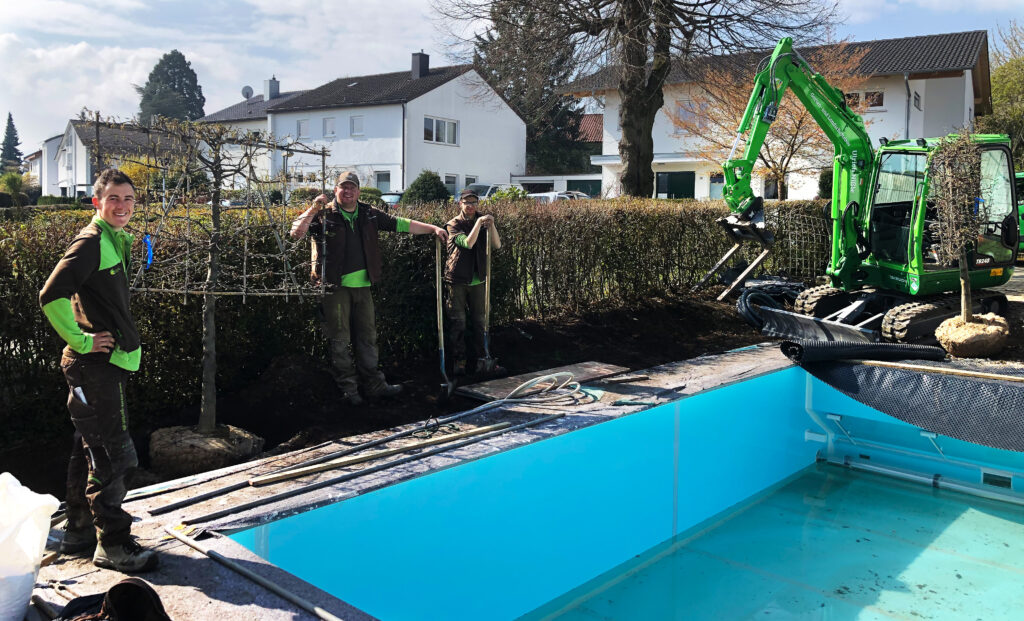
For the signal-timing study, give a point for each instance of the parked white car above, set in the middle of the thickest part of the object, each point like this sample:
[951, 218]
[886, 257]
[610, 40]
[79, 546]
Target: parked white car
[550, 197]
[487, 190]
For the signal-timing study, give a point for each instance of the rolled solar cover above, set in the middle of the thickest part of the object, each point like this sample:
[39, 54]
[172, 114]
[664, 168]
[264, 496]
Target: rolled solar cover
[976, 401]
[801, 351]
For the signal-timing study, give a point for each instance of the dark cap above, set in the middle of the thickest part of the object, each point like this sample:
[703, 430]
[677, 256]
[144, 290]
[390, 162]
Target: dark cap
[468, 193]
[348, 176]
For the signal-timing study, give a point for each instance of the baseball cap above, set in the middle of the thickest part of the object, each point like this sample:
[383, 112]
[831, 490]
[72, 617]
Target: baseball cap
[348, 176]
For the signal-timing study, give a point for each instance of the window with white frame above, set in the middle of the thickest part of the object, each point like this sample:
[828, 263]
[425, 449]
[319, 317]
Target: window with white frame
[440, 131]
[450, 183]
[355, 125]
[302, 128]
[383, 180]
[470, 180]
[329, 126]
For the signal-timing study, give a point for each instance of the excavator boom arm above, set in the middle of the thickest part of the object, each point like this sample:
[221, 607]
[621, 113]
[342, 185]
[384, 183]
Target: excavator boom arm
[853, 159]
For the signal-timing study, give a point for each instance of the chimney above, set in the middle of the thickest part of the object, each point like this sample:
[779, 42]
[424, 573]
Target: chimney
[271, 89]
[420, 65]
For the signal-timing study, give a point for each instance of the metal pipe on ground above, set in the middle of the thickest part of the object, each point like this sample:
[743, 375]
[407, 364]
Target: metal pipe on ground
[271, 586]
[548, 394]
[269, 479]
[353, 475]
[191, 500]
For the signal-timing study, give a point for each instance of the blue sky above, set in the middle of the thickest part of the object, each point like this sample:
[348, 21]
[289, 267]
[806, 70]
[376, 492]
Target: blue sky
[61, 55]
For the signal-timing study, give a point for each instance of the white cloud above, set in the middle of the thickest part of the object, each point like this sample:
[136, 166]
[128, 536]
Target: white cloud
[51, 84]
[864, 11]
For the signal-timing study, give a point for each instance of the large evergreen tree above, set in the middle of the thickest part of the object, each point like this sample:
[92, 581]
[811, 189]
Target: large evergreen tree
[10, 156]
[530, 78]
[172, 91]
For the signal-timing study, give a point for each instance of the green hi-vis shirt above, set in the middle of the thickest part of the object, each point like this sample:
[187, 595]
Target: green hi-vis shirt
[461, 242]
[88, 292]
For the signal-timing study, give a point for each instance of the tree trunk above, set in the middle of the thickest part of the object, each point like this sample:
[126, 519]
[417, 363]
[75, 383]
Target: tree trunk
[966, 306]
[640, 92]
[208, 400]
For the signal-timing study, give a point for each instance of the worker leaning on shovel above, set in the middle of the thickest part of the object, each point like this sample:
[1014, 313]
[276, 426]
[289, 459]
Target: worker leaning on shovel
[352, 263]
[86, 300]
[465, 272]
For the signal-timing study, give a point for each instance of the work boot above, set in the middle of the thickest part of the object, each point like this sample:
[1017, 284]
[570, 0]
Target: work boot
[78, 540]
[460, 368]
[386, 391]
[125, 557]
[353, 399]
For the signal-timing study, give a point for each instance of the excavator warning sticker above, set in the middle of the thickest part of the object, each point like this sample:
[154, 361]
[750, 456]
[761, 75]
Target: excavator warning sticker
[995, 271]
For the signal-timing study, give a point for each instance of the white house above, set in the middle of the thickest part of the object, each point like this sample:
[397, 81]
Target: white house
[48, 166]
[32, 164]
[390, 127]
[76, 150]
[922, 86]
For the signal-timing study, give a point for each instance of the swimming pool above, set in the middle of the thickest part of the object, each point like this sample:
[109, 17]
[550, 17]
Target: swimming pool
[529, 530]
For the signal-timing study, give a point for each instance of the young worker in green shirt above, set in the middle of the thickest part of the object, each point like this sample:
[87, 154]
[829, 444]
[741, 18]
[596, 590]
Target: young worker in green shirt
[86, 300]
[353, 263]
[465, 272]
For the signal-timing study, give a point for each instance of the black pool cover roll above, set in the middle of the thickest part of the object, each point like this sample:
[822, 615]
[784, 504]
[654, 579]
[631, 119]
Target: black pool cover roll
[817, 351]
[971, 400]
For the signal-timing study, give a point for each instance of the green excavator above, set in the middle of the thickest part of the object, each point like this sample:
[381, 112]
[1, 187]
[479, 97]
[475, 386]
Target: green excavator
[885, 280]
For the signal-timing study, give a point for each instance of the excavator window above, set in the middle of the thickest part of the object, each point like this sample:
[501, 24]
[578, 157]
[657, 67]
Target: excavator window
[891, 217]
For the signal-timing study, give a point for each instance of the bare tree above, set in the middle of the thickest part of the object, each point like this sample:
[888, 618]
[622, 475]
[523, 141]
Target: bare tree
[955, 185]
[637, 40]
[219, 153]
[795, 143]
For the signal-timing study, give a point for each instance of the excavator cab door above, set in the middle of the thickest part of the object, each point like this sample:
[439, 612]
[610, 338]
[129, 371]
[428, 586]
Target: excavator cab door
[998, 236]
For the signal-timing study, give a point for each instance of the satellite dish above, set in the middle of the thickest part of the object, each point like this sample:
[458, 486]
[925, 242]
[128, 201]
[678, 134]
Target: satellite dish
[247, 91]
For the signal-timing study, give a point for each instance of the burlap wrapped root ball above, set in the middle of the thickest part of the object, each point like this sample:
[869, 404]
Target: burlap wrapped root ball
[984, 337]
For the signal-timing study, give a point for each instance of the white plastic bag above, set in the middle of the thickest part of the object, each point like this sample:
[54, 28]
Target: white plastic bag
[24, 525]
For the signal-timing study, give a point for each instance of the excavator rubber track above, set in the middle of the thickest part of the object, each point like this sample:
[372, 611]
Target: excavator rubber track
[918, 320]
[820, 301]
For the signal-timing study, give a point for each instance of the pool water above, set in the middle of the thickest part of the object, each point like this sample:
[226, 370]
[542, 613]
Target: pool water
[830, 544]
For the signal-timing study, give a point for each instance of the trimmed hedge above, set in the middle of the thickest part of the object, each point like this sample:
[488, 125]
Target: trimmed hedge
[558, 258]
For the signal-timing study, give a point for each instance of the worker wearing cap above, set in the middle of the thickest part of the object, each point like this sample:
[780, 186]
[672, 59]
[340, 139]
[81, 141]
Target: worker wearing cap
[347, 230]
[465, 272]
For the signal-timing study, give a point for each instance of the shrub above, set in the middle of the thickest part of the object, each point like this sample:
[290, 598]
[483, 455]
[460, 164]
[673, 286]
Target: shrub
[62, 200]
[510, 192]
[303, 196]
[275, 197]
[371, 196]
[825, 184]
[426, 188]
[6, 200]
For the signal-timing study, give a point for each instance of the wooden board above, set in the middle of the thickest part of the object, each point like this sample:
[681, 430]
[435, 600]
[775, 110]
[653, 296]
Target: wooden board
[499, 388]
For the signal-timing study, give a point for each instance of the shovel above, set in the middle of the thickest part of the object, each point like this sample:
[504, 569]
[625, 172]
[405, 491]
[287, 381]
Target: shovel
[487, 364]
[448, 387]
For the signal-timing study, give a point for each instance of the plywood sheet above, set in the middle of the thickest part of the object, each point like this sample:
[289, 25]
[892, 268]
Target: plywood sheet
[499, 388]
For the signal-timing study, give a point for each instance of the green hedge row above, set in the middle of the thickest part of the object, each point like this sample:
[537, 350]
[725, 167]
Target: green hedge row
[558, 258]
